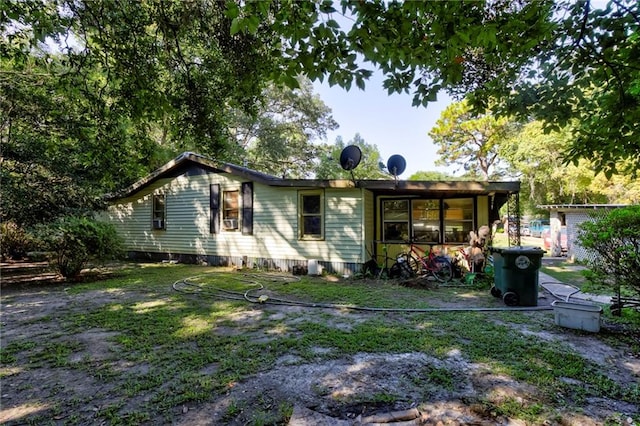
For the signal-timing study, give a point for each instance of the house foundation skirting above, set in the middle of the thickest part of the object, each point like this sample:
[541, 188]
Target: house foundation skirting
[283, 265]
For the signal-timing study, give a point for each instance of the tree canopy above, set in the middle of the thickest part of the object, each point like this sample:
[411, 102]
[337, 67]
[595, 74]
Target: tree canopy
[96, 93]
[498, 148]
[174, 62]
[434, 176]
[535, 157]
[328, 166]
[564, 62]
[470, 139]
[279, 138]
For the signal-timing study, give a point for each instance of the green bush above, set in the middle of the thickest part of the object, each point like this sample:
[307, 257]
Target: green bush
[14, 241]
[615, 239]
[77, 240]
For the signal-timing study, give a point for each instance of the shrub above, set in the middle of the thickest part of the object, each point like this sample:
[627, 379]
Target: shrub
[615, 239]
[77, 240]
[14, 240]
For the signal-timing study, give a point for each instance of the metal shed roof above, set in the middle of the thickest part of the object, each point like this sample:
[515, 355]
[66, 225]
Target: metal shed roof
[580, 206]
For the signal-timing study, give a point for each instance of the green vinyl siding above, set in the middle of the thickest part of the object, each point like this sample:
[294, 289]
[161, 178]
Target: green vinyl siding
[344, 224]
[276, 219]
[275, 222]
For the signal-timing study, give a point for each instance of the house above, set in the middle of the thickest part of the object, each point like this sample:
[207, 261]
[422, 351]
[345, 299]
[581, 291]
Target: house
[571, 216]
[195, 209]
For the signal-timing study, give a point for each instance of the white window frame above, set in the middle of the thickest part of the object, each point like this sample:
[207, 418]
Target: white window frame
[230, 215]
[304, 216]
[159, 216]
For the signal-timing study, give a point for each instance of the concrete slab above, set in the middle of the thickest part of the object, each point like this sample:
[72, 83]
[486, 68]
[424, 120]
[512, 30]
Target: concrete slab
[566, 292]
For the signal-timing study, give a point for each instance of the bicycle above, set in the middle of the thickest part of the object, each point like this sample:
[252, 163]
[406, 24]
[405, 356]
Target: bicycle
[423, 263]
[381, 270]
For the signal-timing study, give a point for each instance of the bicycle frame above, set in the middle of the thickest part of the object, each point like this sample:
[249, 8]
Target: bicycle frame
[381, 269]
[423, 262]
[467, 259]
[421, 255]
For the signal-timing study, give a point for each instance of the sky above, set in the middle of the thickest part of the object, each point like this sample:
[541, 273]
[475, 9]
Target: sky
[387, 121]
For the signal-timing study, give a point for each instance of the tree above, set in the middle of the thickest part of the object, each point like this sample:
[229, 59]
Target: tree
[589, 80]
[369, 168]
[432, 175]
[172, 67]
[54, 145]
[469, 139]
[535, 157]
[70, 134]
[126, 83]
[557, 61]
[619, 189]
[95, 94]
[278, 138]
[615, 240]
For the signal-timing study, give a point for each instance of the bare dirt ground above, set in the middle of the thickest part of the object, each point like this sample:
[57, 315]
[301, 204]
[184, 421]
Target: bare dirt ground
[315, 387]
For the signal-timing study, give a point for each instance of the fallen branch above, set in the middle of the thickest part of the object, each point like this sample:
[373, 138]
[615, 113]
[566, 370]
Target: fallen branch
[392, 417]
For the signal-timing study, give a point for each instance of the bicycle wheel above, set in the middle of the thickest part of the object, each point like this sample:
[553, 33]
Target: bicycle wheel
[412, 264]
[442, 270]
[401, 269]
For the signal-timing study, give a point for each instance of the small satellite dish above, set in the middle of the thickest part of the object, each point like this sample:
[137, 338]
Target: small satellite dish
[396, 165]
[350, 157]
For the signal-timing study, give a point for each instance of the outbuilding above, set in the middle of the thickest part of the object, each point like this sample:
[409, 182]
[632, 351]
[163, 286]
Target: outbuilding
[571, 216]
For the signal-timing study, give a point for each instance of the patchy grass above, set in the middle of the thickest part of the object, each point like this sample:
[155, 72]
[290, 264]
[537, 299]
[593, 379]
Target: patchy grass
[569, 273]
[168, 349]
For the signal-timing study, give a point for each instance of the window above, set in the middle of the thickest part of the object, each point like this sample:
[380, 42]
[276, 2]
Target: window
[311, 212]
[231, 210]
[158, 214]
[247, 208]
[426, 220]
[458, 219]
[395, 220]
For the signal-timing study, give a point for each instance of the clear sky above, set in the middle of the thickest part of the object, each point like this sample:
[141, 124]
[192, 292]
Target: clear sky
[387, 121]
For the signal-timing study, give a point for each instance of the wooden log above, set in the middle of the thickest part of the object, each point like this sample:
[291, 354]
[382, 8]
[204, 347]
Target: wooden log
[392, 417]
[414, 422]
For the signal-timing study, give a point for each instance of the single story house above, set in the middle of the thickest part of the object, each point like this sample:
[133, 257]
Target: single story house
[571, 216]
[195, 209]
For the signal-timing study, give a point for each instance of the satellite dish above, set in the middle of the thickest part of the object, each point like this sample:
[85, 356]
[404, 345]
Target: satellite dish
[396, 165]
[350, 157]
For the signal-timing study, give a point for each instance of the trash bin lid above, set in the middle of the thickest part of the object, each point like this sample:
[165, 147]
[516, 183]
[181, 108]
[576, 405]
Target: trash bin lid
[523, 250]
[497, 249]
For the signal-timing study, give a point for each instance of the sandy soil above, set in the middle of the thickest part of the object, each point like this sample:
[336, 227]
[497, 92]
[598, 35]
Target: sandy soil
[317, 386]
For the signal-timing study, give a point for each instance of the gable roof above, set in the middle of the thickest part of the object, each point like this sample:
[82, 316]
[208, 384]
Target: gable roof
[187, 160]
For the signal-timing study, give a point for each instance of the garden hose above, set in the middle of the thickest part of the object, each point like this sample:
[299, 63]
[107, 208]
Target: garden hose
[187, 286]
[567, 297]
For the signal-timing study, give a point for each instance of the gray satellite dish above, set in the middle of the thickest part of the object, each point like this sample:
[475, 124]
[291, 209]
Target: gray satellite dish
[396, 165]
[350, 157]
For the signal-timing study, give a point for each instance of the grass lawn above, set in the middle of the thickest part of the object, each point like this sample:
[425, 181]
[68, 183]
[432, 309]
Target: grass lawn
[148, 345]
[569, 273]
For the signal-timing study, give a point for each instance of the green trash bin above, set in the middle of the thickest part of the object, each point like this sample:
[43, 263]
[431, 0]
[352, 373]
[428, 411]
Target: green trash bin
[498, 262]
[519, 277]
